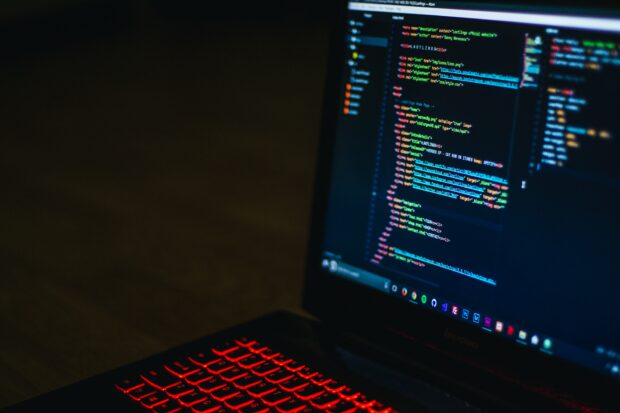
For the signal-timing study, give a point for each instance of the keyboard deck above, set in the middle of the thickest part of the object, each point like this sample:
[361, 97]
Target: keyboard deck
[243, 376]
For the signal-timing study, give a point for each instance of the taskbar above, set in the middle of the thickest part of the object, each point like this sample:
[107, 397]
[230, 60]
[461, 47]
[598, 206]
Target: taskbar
[410, 292]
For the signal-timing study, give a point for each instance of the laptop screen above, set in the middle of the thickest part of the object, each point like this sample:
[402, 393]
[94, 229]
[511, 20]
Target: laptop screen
[475, 170]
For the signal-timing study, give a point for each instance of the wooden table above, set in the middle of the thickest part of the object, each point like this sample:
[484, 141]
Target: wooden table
[156, 183]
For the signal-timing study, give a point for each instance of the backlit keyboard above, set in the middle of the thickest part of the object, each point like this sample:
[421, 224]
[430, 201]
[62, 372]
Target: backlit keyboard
[243, 376]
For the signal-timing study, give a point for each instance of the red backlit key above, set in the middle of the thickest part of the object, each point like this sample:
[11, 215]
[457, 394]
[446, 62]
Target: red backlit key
[126, 385]
[168, 407]
[333, 386]
[255, 407]
[348, 394]
[212, 384]
[239, 401]
[324, 400]
[142, 391]
[198, 377]
[294, 366]
[220, 366]
[206, 406]
[291, 406]
[307, 373]
[363, 401]
[233, 374]
[257, 348]
[379, 408]
[276, 397]
[203, 359]
[269, 353]
[225, 348]
[192, 398]
[179, 390]
[320, 379]
[238, 354]
[246, 381]
[161, 378]
[181, 369]
[245, 342]
[278, 376]
[265, 368]
[309, 392]
[294, 384]
[282, 360]
[342, 407]
[251, 362]
[261, 389]
[154, 399]
[224, 393]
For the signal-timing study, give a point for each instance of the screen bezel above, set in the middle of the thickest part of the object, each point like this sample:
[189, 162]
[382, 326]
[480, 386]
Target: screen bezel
[325, 294]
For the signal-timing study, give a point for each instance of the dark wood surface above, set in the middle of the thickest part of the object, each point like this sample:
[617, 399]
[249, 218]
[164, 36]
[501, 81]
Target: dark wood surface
[156, 187]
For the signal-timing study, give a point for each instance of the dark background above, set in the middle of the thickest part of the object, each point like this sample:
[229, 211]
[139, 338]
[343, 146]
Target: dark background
[156, 166]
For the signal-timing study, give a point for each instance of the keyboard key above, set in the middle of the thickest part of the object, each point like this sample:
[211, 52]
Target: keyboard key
[239, 401]
[257, 348]
[269, 354]
[320, 379]
[307, 373]
[255, 407]
[233, 374]
[333, 386]
[181, 369]
[291, 406]
[238, 354]
[363, 401]
[206, 406]
[192, 398]
[309, 392]
[348, 394]
[225, 348]
[276, 397]
[294, 384]
[379, 408]
[198, 377]
[154, 399]
[265, 368]
[203, 359]
[141, 392]
[282, 360]
[278, 376]
[179, 390]
[126, 385]
[246, 381]
[261, 389]
[224, 393]
[245, 342]
[212, 384]
[343, 407]
[160, 378]
[170, 406]
[251, 362]
[325, 400]
[220, 366]
[294, 366]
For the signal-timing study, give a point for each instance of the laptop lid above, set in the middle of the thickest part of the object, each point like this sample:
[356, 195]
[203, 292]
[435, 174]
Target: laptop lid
[467, 184]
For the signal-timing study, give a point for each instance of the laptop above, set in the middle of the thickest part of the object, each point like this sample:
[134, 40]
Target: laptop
[463, 249]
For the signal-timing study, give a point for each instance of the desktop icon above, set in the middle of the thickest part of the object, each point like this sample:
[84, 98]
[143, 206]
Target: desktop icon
[499, 326]
[404, 291]
[423, 299]
[476, 318]
[433, 302]
[522, 335]
[414, 296]
[394, 288]
[535, 340]
[455, 310]
[510, 330]
[444, 307]
[547, 344]
[465, 313]
[487, 322]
